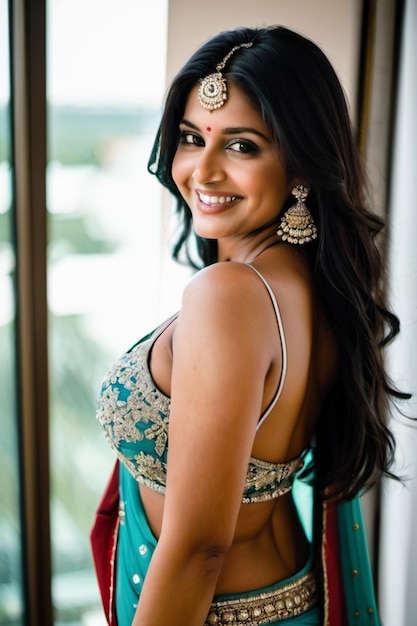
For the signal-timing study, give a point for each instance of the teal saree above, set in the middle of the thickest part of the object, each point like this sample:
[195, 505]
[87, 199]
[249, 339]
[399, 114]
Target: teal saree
[123, 544]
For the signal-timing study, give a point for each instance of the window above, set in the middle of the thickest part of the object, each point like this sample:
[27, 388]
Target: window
[105, 80]
[105, 84]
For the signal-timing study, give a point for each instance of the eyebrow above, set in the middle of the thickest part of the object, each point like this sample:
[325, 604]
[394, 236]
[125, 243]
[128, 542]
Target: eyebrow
[232, 130]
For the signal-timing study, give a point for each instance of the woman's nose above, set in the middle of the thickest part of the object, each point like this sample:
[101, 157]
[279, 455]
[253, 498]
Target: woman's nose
[209, 167]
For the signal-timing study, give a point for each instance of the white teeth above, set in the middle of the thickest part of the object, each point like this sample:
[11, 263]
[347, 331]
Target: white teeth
[215, 199]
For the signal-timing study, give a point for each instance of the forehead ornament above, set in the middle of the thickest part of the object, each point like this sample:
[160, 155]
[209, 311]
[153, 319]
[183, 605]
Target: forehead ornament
[212, 92]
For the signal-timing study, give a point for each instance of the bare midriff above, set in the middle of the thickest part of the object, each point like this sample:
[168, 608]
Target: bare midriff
[269, 543]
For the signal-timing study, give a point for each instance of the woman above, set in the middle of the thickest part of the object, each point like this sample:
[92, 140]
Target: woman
[273, 363]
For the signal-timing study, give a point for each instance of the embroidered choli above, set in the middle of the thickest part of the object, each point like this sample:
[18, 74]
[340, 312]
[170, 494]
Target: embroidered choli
[135, 416]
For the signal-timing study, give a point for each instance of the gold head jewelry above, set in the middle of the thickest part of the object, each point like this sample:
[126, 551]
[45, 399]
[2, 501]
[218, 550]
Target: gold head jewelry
[297, 224]
[212, 93]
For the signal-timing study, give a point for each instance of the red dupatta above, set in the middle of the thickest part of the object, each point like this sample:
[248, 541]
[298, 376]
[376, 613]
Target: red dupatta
[103, 539]
[334, 598]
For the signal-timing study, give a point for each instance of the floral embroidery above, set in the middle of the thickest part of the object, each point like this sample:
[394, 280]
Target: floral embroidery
[265, 480]
[152, 468]
[159, 432]
[135, 418]
[262, 473]
[131, 410]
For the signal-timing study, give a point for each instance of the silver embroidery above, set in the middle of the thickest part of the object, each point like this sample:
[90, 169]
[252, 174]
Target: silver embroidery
[129, 401]
[152, 468]
[131, 409]
[266, 480]
[159, 432]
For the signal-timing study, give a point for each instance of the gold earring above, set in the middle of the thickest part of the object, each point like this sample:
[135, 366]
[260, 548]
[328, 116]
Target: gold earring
[297, 224]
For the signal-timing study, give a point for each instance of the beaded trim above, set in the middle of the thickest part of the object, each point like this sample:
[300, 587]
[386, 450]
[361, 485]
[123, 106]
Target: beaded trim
[266, 481]
[267, 607]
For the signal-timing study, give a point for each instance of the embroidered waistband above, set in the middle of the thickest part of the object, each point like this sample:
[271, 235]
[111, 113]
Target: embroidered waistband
[267, 607]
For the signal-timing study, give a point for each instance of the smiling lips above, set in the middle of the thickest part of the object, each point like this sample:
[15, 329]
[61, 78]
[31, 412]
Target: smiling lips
[215, 201]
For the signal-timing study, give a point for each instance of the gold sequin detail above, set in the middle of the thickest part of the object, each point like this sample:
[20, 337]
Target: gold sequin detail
[132, 410]
[266, 480]
[267, 607]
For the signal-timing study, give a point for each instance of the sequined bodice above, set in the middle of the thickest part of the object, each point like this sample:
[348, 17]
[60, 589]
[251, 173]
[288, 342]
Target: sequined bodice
[135, 416]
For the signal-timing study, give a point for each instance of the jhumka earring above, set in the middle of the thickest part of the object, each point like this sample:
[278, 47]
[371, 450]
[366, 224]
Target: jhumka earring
[212, 93]
[297, 224]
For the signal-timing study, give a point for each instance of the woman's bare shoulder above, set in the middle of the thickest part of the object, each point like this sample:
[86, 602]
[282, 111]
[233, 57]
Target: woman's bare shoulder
[223, 284]
[224, 274]
[226, 304]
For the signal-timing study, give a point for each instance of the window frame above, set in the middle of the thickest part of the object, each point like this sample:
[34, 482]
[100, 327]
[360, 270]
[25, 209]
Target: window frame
[28, 136]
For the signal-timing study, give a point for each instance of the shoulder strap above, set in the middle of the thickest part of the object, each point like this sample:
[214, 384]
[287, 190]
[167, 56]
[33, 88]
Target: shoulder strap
[160, 329]
[283, 349]
[154, 334]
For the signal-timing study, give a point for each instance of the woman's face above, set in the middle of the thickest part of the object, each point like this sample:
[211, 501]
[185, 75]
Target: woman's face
[227, 168]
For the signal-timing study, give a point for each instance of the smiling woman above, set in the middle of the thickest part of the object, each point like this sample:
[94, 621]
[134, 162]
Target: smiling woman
[273, 363]
[225, 173]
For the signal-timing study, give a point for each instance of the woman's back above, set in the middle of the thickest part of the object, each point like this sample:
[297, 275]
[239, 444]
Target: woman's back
[267, 533]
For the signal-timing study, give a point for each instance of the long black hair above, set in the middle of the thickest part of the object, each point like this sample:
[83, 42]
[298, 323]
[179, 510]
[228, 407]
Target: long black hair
[294, 87]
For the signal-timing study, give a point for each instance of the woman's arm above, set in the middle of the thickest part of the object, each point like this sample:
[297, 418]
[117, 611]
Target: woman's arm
[222, 352]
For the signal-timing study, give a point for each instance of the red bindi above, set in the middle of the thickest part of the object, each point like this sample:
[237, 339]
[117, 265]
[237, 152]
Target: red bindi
[208, 129]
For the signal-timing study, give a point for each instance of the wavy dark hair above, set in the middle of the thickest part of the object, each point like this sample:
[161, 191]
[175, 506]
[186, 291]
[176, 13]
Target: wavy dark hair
[294, 87]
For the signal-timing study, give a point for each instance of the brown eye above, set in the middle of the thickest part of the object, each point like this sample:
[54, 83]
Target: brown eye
[190, 139]
[243, 147]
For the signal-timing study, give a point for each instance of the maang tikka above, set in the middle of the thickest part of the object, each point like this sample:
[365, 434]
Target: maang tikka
[297, 224]
[212, 93]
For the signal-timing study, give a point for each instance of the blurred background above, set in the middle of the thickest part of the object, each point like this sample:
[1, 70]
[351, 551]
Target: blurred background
[85, 268]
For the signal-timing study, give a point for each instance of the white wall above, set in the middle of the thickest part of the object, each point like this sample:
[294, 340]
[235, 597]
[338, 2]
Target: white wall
[333, 24]
[398, 552]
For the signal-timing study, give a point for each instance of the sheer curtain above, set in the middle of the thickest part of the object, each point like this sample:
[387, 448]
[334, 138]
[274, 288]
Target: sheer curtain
[398, 545]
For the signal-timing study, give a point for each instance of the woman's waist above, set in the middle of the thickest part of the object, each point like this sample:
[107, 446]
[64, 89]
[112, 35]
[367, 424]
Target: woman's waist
[269, 543]
[263, 559]
[288, 598]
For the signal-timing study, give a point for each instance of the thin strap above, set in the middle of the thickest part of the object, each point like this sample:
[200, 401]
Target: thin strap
[160, 329]
[283, 349]
[155, 333]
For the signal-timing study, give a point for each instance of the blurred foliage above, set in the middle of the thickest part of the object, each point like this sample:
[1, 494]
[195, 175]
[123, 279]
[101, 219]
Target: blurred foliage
[74, 431]
[5, 227]
[9, 454]
[78, 135]
[73, 232]
[4, 133]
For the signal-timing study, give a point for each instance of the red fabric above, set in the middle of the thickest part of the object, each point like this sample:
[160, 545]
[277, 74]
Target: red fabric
[103, 543]
[334, 593]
